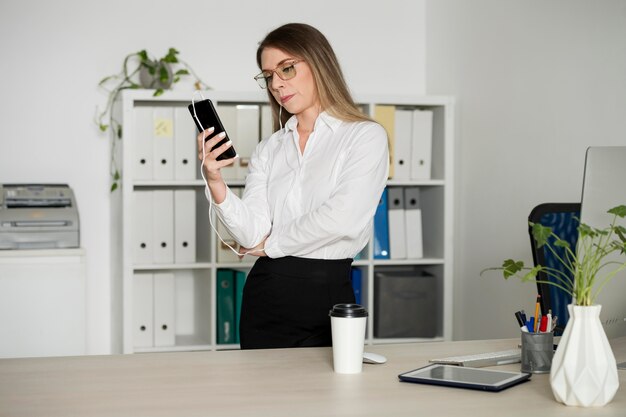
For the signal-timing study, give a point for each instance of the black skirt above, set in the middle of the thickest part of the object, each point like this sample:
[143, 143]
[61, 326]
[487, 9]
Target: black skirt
[286, 301]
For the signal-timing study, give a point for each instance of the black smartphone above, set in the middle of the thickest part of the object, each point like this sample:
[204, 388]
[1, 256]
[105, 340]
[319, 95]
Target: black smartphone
[205, 116]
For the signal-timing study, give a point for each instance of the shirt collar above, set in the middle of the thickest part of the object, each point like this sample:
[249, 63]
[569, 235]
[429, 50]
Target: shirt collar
[330, 121]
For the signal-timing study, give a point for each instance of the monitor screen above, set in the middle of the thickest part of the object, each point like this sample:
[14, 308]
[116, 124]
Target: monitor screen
[604, 187]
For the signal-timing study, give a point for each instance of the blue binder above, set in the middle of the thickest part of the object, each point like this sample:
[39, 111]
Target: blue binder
[357, 283]
[381, 229]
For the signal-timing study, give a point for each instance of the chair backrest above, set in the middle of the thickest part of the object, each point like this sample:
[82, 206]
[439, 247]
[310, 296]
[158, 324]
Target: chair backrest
[564, 219]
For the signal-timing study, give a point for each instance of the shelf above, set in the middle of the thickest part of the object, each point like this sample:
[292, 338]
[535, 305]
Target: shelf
[192, 310]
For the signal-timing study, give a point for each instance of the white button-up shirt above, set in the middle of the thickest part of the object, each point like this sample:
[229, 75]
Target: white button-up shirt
[316, 204]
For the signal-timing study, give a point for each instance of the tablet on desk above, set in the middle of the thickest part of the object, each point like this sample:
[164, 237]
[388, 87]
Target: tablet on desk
[461, 377]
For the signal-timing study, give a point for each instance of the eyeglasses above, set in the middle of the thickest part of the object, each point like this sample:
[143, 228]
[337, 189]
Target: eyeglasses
[285, 71]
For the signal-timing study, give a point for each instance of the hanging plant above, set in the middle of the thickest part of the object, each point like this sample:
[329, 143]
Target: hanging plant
[139, 70]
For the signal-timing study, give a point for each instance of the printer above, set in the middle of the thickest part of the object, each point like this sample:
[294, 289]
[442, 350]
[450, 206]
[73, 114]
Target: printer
[38, 216]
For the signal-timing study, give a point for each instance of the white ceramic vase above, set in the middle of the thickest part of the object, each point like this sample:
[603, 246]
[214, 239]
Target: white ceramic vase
[584, 370]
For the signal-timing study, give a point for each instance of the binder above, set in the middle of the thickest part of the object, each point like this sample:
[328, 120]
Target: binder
[356, 276]
[142, 227]
[413, 221]
[185, 148]
[381, 228]
[163, 226]
[240, 282]
[385, 115]
[142, 145]
[225, 292]
[163, 143]
[143, 331]
[267, 125]
[402, 144]
[248, 130]
[184, 226]
[186, 297]
[228, 116]
[164, 309]
[397, 230]
[421, 146]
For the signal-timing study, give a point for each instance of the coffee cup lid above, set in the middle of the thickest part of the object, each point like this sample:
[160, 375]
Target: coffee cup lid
[348, 310]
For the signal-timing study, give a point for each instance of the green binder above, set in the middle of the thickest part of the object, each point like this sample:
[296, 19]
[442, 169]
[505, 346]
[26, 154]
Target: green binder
[225, 292]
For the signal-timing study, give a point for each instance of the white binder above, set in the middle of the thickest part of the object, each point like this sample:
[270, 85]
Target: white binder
[185, 302]
[421, 147]
[413, 221]
[248, 127]
[267, 125]
[142, 145]
[164, 309]
[402, 147]
[184, 226]
[397, 227]
[163, 226]
[185, 147]
[163, 143]
[142, 227]
[143, 330]
[228, 116]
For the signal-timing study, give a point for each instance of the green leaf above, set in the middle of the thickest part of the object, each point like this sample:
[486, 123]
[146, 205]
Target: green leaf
[117, 175]
[143, 55]
[164, 76]
[541, 234]
[119, 131]
[103, 128]
[158, 92]
[561, 243]
[619, 211]
[182, 72]
[585, 231]
[532, 274]
[171, 56]
[511, 267]
[114, 186]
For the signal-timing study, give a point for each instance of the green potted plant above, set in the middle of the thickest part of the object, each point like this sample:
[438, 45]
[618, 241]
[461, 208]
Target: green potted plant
[139, 70]
[584, 347]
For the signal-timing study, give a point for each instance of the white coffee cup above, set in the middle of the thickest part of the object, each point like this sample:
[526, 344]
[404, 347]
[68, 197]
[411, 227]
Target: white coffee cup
[348, 333]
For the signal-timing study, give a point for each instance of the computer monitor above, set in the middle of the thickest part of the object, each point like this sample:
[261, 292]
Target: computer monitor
[604, 187]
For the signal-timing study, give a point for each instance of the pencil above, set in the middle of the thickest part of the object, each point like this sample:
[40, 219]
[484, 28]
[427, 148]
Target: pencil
[537, 313]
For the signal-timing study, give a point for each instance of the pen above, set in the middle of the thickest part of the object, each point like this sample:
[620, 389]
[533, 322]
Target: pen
[543, 327]
[549, 318]
[530, 324]
[519, 317]
[523, 315]
[537, 306]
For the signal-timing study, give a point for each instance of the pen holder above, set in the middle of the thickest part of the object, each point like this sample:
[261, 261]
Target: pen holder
[537, 352]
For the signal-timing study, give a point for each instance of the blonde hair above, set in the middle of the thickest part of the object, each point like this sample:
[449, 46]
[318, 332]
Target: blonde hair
[305, 42]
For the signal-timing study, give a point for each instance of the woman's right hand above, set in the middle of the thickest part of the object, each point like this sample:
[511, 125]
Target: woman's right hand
[211, 166]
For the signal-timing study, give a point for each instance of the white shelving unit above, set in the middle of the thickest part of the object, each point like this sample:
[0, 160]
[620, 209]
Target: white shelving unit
[193, 316]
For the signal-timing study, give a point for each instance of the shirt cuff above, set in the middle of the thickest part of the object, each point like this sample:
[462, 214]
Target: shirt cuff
[271, 248]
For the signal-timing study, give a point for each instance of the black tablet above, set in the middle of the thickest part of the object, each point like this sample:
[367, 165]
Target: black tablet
[462, 377]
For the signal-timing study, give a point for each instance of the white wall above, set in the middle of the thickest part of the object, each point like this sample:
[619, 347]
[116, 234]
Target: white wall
[53, 54]
[537, 82]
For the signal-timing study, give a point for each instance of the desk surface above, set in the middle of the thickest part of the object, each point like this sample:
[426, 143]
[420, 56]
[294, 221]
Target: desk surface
[282, 382]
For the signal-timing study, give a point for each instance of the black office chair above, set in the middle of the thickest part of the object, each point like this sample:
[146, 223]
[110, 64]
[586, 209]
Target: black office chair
[564, 219]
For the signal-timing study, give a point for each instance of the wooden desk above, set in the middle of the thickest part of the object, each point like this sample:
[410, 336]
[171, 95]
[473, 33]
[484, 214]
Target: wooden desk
[290, 382]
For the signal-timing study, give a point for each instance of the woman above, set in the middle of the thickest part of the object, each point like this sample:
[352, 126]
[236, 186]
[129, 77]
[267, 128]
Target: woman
[310, 195]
